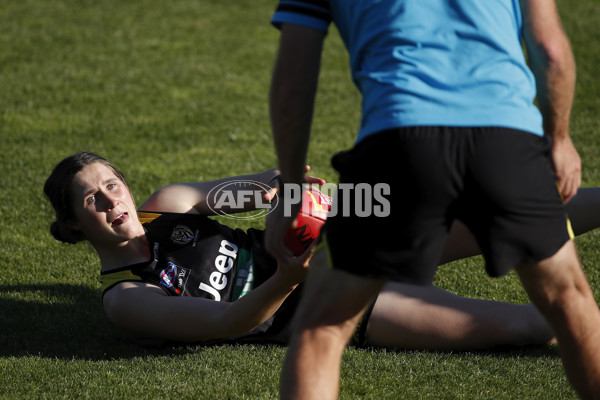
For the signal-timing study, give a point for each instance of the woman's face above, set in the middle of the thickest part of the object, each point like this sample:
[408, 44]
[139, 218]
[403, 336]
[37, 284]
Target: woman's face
[103, 206]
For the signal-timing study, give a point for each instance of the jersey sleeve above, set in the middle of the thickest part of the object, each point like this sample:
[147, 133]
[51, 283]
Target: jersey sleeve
[315, 14]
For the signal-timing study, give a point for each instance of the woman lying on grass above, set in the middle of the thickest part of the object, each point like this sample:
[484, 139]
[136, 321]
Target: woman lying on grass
[169, 272]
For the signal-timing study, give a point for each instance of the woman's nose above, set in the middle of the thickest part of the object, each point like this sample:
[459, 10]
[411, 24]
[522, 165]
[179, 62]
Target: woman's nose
[110, 201]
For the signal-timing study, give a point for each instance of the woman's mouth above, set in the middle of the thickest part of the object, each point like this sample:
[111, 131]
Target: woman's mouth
[121, 219]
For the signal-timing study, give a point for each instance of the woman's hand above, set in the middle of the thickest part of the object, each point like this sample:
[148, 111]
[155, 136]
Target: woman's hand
[293, 269]
[308, 179]
[313, 180]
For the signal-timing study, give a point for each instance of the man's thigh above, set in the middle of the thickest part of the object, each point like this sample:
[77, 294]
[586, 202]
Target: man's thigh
[332, 297]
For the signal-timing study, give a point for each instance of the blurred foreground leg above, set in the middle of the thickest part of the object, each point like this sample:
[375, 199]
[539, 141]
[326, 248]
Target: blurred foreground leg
[332, 303]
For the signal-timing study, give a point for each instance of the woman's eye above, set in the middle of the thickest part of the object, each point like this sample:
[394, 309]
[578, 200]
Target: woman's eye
[112, 185]
[90, 199]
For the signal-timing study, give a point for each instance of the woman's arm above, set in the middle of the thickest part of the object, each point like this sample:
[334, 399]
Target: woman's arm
[146, 312]
[229, 195]
[237, 194]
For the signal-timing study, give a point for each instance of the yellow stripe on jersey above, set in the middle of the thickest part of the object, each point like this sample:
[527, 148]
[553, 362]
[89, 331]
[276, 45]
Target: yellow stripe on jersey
[145, 217]
[112, 278]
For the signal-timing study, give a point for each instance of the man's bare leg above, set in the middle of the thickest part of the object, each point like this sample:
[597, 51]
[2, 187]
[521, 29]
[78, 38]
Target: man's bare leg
[559, 288]
[331, 305]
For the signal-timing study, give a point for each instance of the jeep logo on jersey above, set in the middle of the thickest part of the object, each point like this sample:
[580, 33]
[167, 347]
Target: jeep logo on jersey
[223, 264]
[239, 196]
[182, 235]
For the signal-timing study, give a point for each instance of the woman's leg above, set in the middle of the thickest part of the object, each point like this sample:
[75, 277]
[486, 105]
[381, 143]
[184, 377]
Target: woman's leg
[418, 317]
[583, 211]
[427, 317]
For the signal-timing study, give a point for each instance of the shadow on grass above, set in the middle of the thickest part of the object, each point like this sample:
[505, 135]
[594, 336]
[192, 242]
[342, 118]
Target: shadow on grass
[63, 321]
[68, 322]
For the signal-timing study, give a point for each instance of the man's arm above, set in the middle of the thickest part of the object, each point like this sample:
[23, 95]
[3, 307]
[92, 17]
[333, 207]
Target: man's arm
[292, 95]
[291, 103]
[553, 65]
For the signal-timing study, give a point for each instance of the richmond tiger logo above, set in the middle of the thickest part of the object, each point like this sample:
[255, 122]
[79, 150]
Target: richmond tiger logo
[182, 235]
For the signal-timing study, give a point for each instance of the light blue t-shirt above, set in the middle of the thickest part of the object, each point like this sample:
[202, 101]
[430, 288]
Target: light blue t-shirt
[430, 62]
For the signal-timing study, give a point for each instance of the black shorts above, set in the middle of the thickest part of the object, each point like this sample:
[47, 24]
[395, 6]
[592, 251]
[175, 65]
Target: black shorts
[498, 181]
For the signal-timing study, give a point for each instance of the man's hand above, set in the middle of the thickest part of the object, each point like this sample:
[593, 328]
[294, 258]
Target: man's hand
[567, 166]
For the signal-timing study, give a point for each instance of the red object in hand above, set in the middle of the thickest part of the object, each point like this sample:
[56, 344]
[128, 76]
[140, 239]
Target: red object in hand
[312, 216]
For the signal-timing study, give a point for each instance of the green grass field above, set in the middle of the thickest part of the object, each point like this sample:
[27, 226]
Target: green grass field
[177, 91]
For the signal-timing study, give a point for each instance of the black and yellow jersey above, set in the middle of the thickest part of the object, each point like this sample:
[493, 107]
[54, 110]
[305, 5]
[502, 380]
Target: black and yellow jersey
[193, 255]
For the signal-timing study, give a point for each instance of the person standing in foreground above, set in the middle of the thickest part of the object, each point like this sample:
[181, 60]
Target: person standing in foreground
[449, 123]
